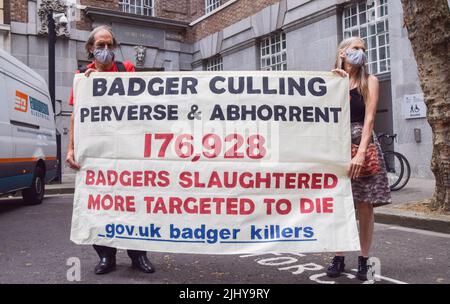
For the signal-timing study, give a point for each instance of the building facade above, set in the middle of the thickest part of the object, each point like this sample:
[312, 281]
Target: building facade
[185, 35]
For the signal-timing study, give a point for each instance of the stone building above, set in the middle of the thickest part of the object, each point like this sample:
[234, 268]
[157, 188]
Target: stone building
[184, 35]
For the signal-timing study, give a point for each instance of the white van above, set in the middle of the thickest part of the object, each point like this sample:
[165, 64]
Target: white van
[27, 131]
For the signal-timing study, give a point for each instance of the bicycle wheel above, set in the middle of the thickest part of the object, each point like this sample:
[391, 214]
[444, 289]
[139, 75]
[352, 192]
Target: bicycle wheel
[406, 174]
[394, 167]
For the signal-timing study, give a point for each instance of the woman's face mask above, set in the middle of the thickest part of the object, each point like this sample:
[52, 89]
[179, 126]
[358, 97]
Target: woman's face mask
[103, 55]
[355, 57]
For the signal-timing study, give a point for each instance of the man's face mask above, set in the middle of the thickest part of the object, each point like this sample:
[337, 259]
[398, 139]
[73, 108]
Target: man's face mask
[103, 56]
[355, 57]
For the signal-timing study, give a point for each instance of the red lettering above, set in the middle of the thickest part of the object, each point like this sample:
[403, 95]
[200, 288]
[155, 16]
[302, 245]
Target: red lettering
[101, 179]
[112, 177]
[185, 180]
[327, 183]
[90, 177]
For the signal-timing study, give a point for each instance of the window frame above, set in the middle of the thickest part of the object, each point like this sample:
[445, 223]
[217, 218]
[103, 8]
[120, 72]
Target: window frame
[132, 6]
[270, 55]
[370, 23]
[214, 63]
[211, 5]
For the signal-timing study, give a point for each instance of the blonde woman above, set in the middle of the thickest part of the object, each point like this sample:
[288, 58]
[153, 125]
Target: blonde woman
[368, 191]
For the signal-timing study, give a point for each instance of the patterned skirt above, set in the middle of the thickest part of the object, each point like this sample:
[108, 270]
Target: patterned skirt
[370, 189]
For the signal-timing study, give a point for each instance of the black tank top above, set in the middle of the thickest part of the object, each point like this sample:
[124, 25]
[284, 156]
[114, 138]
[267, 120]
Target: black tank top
[357, 106]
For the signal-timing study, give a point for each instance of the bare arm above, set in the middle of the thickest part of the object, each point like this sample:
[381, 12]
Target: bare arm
[70, 149]
[371, 111]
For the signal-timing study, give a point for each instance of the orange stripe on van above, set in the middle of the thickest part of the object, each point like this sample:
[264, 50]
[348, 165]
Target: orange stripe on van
[24, 159]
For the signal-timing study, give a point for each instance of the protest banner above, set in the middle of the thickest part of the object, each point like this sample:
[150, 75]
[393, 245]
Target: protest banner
[213, 162]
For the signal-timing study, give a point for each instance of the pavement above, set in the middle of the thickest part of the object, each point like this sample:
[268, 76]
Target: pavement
[417, 189]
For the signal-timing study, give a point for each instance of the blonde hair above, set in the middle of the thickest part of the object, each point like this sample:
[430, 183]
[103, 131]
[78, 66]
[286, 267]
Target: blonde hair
[362, 75]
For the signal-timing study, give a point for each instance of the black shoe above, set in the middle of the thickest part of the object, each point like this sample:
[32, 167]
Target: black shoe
[336, 267]
[106, 264]
[142, 263]
[362, 268]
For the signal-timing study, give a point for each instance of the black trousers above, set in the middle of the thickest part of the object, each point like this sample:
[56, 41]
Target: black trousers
[105, 251]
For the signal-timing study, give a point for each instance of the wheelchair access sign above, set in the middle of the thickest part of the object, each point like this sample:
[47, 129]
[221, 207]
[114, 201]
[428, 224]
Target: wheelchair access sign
[414, 106]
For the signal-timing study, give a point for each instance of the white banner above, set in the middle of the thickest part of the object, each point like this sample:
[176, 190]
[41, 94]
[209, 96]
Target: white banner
[213, 162]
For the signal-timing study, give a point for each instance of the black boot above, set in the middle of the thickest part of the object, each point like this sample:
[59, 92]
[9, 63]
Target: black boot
[106, 264]
[336, 267]
[107, 261]
[362, 268]
[140, 261]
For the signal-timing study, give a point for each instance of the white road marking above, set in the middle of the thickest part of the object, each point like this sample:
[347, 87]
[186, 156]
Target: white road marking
[385, 278]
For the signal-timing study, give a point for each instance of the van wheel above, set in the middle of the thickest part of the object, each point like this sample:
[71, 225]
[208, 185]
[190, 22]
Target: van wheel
[35, 194]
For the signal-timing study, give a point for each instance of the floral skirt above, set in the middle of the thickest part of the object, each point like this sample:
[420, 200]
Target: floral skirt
[370, 189]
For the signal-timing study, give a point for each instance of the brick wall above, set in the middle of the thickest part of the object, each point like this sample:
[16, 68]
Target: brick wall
[108, 4]
[6, 12]
[237, 11]
[173, 9]
[187, 11]
[19, 10]
[85, 23]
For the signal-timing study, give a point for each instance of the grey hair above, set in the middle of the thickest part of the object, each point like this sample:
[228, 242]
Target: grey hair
[91, 40]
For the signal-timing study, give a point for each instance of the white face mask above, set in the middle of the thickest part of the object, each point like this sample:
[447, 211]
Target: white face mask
[103, 56]
[355, 57]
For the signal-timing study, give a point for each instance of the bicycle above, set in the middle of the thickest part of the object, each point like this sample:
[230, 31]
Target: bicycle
[397, 165]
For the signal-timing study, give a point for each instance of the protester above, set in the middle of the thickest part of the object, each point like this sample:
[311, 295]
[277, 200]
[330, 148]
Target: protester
[372, 190]
[100, 47]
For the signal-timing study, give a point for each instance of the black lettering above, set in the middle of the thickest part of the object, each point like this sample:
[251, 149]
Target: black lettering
[133, 112]
[131, 86]
[266, 89]
[99, 87]
[233, 112]
[172, 112]
[117, 87]
[145, 111]
[335, 112]
[95, 114]
[119, 115]
[172, 85]
[84, 112]
[307, 114]
[160, 112]
[217, 113]
[322, 89]
[106, 113]
[298, 86]
[320, 114]
[294, 113]
[151, 90]
[212, 85]
[250, 89]
[280, 113]
[189, 83]
[239, 89]
[282, 86]
[260, 112]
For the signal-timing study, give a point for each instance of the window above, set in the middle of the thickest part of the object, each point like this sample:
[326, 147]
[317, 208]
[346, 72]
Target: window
[369, 21]
[211, 5]
[214, 64]
[138, 7]
[273, 53]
